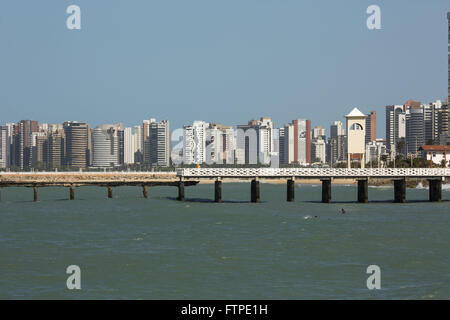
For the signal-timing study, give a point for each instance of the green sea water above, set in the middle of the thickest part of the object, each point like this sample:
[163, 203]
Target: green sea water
[129, 247]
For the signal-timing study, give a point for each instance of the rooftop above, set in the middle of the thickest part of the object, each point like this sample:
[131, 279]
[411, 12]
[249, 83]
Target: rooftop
[356, 113]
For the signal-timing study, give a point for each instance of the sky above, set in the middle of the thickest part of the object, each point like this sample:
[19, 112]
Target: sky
[225, 61]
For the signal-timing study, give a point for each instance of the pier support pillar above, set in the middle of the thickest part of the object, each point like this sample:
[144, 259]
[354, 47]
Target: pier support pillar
[255, 191]
[72, 193]
[435, 187]
[290, 190]
[363, 191]
[145, 191]
[400, 191]
[326, 190]
[110, 195]
[180, 191]
[35, 194]
[218, 191]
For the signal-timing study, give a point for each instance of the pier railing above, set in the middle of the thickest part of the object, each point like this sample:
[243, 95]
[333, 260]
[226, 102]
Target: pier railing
[316, 173]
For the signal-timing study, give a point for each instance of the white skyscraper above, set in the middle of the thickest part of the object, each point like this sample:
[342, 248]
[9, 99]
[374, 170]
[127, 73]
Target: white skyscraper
[254, 142]
[194, 143]
[105, 146]
[4, 147]
[137, 140]
[220, 144]
[318, 150]
[128, 146]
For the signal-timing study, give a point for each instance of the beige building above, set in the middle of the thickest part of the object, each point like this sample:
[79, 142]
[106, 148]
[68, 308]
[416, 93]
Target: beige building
[356, 133]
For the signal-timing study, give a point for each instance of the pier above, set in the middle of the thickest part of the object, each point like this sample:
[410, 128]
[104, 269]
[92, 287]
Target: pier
[399, 176]
[72, 180]
[189, 177]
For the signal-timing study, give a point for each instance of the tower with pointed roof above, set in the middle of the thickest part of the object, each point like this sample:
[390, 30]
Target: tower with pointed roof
[356, 132]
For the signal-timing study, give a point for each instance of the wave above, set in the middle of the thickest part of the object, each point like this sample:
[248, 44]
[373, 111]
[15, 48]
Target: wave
[420, 186]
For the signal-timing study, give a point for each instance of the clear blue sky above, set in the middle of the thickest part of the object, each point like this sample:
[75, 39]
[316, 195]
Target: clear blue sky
[225, 61]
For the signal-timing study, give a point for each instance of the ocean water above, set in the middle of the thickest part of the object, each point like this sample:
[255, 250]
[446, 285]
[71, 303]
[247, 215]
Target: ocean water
[129, 247]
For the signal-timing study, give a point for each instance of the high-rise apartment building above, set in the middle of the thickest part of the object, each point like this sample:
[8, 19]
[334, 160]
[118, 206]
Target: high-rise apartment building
[318, 133]
[415, 131]
[137, 140]
[105, 140]
[128, 146]
[395, 126]
[297, 142]
[38, 149]
[4, 147]
[220, 144]
[22, 143]
[145, 132]
[254, 142]
[282, 146]
[448, 18]
[371, 127]
[78, 151]
[194, 143]
[337, 144]
[157, 146]
[318, 150]
[444, 133]
[55, 149]
[432, 113]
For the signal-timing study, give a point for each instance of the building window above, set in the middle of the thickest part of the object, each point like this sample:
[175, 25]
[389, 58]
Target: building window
[356, 126]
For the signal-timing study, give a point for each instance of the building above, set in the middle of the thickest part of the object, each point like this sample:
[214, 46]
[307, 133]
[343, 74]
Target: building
[318, 133]
[374, 150]
[106, 149]
[281, 147]
[448, 18]
[254, 142]
[297, 142]
[158, 144]
[39, 152]
[138, 150]
[395, 126]
[22, 143]
[145, 132]
[54, 154]
[337, 144]
[318, 150]
[220, 144]
[438, 154]
[4, 147]
[433, 116]
[371, 127]
[128, 146]
[356, 135]
[443, 123]
[78, 146]
[415, 131]
[194, 143]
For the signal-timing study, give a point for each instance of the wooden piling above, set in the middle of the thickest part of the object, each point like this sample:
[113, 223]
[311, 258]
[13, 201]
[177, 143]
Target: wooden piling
[218, 191]
[400, 190]
[290, 196]
[255, 191]
[363, 191]
[326, 190]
